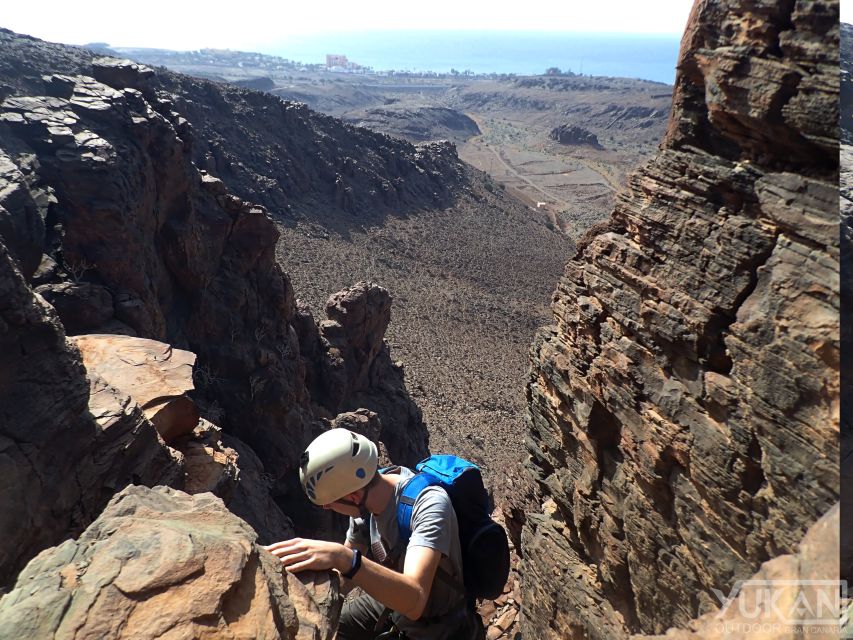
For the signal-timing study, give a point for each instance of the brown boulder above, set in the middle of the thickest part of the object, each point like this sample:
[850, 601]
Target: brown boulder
[159, 563]
[360, 421]
[366, 423]
[156, 376]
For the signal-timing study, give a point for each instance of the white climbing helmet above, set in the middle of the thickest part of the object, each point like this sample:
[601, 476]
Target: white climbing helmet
[335, 464]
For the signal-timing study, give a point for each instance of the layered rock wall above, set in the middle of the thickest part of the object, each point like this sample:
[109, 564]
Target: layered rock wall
[846, 233]
[806, 577]
[684, 407]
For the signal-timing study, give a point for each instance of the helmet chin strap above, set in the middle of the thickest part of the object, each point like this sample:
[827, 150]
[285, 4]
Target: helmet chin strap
[365, 514]
[362, 507]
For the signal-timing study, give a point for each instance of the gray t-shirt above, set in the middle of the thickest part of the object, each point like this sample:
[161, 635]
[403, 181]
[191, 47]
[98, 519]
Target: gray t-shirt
[433, 525]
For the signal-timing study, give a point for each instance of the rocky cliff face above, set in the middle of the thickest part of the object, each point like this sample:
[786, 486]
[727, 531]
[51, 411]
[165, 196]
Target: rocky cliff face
[846, 236]
[846, 115]
[805, 576]
[171, 254]
[684, 406]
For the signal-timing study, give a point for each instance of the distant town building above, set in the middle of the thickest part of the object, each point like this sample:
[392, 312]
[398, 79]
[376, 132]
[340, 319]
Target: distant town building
[333, 60]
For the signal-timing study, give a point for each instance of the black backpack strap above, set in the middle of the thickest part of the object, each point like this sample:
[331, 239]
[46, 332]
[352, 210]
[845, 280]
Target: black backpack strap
[450, 581]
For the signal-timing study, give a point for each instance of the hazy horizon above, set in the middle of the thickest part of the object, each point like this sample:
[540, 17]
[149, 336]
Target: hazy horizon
[647, 56]
[257, 26]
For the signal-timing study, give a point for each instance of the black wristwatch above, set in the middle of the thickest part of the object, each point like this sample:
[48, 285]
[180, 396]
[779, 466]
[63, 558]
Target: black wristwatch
[356, 565]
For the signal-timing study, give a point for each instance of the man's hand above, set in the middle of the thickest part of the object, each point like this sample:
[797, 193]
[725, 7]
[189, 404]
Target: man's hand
[300, 554]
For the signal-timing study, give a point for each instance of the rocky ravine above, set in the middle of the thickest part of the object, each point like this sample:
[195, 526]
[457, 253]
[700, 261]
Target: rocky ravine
[470, 276]
[103, 213]
[684, 405]
[119, 252]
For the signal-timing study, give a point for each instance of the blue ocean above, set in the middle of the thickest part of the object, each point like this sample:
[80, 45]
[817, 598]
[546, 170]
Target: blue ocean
[651, 57]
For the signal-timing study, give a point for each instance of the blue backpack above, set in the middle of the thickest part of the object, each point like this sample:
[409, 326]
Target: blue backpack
[485, 549]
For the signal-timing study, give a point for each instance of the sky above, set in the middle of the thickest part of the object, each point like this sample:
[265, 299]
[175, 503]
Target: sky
[256, 25]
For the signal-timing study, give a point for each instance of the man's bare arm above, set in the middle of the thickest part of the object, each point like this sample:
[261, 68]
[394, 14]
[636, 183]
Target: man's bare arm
[407, 592]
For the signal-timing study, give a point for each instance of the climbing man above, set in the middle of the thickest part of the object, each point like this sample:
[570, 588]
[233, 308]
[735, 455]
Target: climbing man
[411, 590]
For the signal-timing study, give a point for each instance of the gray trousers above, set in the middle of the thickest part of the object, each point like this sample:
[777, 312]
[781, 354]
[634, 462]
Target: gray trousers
[359, 616]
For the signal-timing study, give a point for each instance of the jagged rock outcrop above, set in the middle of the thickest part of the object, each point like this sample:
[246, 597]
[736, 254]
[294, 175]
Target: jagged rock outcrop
[159, 563]
[846, 233]
[184, 261]
[158, 378]
[846, 99]
[68, 441]
[350, 367]
[251, 498]
[211, 467]
[684, 406]
[417, 123]
[354, 331]
[574, 135]
[23, 209]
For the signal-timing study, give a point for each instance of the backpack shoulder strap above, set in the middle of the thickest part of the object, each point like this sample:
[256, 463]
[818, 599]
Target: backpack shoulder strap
[405, 505]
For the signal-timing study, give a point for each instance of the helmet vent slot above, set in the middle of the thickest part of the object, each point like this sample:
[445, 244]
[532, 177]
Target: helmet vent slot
[355, 448]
